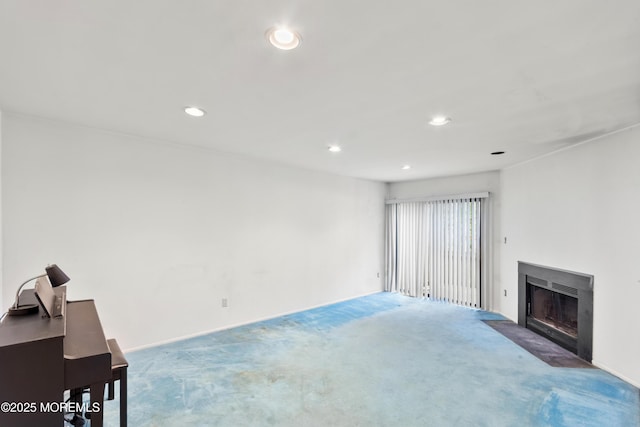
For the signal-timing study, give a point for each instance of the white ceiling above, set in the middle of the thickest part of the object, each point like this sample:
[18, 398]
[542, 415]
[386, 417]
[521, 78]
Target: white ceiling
[525, 77]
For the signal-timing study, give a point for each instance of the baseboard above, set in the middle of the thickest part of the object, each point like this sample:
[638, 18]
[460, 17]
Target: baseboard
[615, 373]
[235, 325]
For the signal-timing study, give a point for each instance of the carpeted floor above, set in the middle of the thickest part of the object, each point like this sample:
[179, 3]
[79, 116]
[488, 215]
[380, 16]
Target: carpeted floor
[381, 360]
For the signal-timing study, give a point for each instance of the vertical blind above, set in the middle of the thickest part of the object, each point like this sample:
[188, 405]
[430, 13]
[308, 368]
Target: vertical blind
[434, 249]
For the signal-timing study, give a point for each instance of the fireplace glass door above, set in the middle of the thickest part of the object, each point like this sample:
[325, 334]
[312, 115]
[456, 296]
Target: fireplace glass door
[554, 309]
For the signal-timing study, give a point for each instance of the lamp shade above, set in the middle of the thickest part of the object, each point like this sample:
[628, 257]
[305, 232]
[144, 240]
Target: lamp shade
[56, 276]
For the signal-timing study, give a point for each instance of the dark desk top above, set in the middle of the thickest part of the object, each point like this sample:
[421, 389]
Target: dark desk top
[87, 359]
[32, 327]
[85, 337]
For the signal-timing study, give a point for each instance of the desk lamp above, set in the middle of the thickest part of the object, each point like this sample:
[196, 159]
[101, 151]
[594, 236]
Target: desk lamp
[56, 277]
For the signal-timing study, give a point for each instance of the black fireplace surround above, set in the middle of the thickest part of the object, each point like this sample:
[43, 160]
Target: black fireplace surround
[558, 305]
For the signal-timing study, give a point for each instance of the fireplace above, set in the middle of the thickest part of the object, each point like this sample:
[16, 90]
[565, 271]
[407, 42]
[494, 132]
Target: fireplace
[558, 305]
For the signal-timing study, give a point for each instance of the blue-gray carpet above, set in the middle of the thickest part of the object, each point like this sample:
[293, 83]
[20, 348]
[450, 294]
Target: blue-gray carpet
[380, 360]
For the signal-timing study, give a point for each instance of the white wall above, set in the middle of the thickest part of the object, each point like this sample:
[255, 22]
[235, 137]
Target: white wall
[461, 184]
[447, 186]
[2, 306]
[159, 233]
[579, 210]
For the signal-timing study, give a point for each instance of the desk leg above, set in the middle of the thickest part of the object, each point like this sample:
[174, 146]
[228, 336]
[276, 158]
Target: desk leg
[123, 397]
[75, 396]
[97, 395]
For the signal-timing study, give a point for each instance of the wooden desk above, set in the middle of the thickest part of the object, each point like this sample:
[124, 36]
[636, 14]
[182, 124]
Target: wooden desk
[40, 358]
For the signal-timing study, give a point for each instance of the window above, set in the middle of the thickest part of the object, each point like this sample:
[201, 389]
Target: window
[434, 249]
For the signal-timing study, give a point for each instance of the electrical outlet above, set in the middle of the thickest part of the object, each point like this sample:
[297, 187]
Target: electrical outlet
[378, 275]
[224, 302]
[505, 292]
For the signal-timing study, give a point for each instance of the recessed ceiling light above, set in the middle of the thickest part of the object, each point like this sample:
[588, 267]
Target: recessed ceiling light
[283, 38]
[335, 148]
[194, 111]
[405, 167]
[497, 153]
[439, 120]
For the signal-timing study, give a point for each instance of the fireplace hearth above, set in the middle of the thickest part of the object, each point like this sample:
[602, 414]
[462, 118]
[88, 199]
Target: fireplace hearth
[558, 305]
